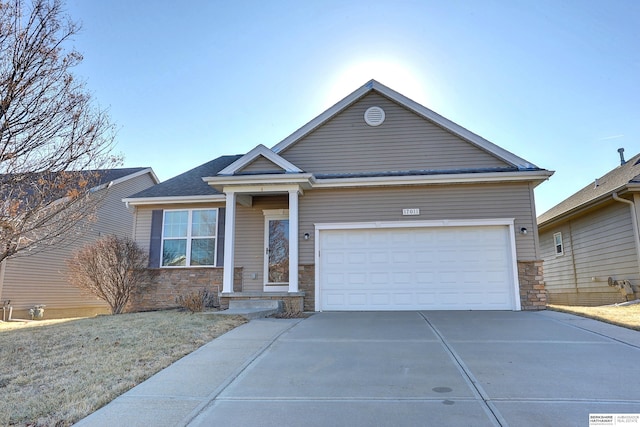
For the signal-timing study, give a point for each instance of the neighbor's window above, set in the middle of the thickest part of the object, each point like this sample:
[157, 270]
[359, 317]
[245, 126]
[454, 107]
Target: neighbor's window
[189, 237]
[557, 241]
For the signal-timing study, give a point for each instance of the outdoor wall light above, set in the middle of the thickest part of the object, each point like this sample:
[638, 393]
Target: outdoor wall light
[523, 230]
[306, 236]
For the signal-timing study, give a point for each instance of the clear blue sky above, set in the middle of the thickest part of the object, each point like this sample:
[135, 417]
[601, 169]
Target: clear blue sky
[556, 82]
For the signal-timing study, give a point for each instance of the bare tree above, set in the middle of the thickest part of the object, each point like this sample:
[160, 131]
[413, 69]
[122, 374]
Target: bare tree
[50, 129]
[111, 268]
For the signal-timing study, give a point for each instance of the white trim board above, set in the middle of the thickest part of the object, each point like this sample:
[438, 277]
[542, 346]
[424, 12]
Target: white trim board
[252, 155]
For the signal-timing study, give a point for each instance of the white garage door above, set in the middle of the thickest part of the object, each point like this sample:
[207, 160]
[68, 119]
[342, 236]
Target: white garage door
[433, 268]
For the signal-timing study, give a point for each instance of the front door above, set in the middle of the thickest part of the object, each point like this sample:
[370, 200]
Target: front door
[276, 260]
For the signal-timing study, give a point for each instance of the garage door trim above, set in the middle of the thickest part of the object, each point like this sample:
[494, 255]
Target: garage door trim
[509, 222]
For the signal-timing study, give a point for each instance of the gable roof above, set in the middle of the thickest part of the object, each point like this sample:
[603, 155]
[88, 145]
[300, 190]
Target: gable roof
[26, 185]
[259, 151]
[411, 105]
[622, 177]
[189, 183]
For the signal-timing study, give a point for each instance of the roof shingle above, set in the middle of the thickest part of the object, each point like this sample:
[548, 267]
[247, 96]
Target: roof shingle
[629, 173]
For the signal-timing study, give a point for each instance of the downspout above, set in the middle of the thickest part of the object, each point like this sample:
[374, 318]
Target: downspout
[634, 222]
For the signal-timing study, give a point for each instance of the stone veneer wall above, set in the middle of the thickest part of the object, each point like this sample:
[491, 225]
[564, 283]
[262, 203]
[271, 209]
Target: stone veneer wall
[306, 283]
[169, 283]
[533, 295]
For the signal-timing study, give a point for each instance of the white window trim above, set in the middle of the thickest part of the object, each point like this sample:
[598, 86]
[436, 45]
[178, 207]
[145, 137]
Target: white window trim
[189, 238]
[555, 245]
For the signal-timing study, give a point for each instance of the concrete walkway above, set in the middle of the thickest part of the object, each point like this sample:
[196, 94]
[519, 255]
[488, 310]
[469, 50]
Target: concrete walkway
[395, 368]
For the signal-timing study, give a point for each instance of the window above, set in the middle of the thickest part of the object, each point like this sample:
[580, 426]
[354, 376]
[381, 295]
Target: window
[189, 238]
[557, 241]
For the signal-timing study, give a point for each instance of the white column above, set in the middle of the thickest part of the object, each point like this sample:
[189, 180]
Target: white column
[229, 242]
[293, 241]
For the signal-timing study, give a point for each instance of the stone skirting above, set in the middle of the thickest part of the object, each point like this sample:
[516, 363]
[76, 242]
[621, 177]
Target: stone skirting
[307, 284]
[169, 283]
[533, 295]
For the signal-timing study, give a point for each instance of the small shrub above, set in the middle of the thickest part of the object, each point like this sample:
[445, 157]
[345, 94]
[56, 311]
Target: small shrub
[111, 268]
[196, 302]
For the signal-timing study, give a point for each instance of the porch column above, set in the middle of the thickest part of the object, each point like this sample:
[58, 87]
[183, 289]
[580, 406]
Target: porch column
[293, 240]
[229, 242]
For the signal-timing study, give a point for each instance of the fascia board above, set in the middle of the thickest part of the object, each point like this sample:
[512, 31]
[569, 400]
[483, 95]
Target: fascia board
[470, 178]
[256, 152]
[588, 205]
[137, 174]
[174, 200]
[322, 118]
[296, 178]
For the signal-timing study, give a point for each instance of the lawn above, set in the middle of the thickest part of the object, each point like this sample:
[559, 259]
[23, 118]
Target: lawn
[622, 315]
[53, 373]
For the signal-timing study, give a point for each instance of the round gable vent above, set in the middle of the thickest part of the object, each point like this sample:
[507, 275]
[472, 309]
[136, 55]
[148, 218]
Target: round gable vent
[374, 116]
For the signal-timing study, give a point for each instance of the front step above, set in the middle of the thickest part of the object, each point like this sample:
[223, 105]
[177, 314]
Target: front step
[254, 308]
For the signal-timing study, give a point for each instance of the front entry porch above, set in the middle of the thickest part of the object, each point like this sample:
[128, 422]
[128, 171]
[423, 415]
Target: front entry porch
[292, 302]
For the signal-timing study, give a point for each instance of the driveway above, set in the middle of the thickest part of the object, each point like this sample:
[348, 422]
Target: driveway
[399, 368]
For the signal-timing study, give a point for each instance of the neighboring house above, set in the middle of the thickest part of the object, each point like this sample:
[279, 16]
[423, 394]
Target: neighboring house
[40, 278]
[593, 236]
[376, 204]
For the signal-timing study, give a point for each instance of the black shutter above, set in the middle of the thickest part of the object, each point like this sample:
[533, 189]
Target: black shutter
[220, 242]
[156, 238]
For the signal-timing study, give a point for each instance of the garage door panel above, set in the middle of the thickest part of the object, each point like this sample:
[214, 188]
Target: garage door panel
[416, 268]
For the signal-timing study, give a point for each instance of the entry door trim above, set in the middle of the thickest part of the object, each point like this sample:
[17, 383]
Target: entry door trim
[509, 222]
[270, 215]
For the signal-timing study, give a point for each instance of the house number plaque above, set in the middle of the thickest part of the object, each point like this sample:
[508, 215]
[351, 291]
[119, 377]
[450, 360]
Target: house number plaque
[412, 211]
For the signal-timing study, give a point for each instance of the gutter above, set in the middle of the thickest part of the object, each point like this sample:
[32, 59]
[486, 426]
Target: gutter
[634, 222]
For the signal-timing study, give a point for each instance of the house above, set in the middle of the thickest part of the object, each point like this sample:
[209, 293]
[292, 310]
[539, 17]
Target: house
[40, 278]
[589, 242]
[376, 204]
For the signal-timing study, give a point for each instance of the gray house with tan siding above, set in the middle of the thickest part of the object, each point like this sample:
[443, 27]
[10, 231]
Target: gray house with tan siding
[41, 278]
[590, 241]
[377, 204]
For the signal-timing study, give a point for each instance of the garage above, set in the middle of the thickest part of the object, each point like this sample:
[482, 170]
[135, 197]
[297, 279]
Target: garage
[405, 267]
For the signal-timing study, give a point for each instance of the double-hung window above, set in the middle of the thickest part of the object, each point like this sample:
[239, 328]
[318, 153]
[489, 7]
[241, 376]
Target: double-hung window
[189, 237]
[557, 241]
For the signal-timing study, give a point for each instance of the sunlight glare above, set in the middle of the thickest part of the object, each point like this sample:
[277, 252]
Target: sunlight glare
[393, 74]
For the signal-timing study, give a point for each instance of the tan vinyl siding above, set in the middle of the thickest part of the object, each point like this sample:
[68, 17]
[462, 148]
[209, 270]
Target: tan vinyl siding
[40, 278]
[250, 248]
[249, 238]
[405, 141]
[262, 164]
[597, 246]
[434, 202]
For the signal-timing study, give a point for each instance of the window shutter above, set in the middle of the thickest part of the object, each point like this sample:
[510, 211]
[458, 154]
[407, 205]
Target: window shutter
[156, 238]
[220, 241]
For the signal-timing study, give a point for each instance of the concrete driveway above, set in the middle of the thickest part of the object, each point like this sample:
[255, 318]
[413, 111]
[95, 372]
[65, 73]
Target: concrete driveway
[396, 368]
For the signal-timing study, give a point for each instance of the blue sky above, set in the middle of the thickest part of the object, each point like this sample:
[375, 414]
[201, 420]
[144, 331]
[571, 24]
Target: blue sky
[556, 82]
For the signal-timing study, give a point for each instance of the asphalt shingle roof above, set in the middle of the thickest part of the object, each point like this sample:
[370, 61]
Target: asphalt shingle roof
[189, 183]
[629, 173]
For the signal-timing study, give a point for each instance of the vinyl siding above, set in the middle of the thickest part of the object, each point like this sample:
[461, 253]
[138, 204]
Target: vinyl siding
[249, 238]
[40, 278]
[250, 248]
[405, 141]
[597, 246]
[434, 202]
[261, 164]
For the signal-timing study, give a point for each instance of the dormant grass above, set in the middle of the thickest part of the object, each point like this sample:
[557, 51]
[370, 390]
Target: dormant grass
[627, 316]
[53, 373]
